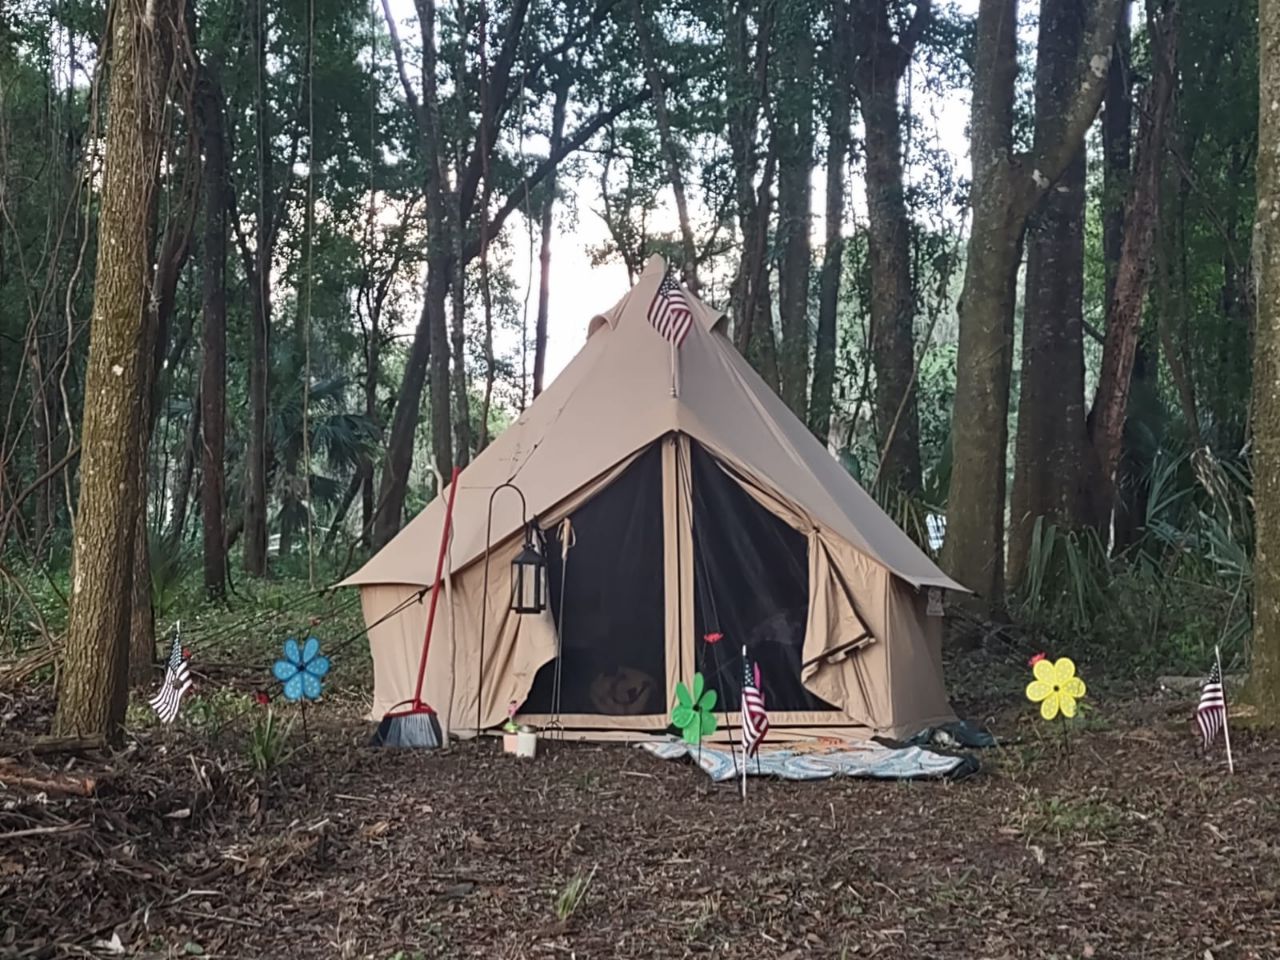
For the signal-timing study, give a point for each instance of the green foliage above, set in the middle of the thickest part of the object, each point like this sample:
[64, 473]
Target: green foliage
[269, 742]
[173, 564]
[213, 710]
[570, 897]
[1164, 602]
[1072, 819]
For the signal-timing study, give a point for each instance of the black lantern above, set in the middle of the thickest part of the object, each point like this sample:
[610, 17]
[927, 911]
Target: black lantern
[528, 577]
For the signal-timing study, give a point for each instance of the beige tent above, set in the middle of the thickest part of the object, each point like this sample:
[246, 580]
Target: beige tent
[697, 504]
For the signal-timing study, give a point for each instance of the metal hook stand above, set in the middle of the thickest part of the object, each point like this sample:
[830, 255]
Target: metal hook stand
[484, 606]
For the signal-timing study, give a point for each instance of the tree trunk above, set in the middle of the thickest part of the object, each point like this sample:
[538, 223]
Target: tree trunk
[544, 254]
[879, 64]
[974, 545]
[1124, 314]
[1048, 479]
[743, 113]
[795, 164]
[186, 474]
[1263, 688]
[172, 260]
[1116, 143]
[255, 480]
[404, 423]
[373, 364]
[1117, 139]
[357, 482]
[1006, 187]
[761, 345]
[42, 445]
[461, 382]
[213, 308]
[838, 119]
[431, 338]
[441, 426]
[672, 156]
[93, 690]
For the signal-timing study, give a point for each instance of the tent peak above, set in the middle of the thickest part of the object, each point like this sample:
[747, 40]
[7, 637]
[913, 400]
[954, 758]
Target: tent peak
[655, 264]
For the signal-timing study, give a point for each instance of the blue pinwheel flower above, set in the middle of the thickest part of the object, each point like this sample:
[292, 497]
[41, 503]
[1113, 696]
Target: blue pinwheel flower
[302, 670]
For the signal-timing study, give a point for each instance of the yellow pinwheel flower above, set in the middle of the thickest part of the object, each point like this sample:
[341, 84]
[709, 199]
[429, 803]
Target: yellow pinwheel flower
[1056, 687]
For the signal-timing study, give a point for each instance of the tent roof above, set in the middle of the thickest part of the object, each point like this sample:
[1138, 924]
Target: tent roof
[614, 398]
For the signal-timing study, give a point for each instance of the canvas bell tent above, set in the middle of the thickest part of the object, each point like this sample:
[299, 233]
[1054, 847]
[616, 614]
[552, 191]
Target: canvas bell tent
[669, 510]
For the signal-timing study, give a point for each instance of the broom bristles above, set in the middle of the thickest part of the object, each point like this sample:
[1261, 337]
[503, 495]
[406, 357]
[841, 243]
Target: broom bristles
[419, 729]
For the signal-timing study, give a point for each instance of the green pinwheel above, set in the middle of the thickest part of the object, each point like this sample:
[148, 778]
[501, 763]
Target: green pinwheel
[694, 711]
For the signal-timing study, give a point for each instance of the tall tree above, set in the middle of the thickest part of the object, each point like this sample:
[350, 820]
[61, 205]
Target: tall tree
[92, 697]
[213, 375]
[470, 152]
[1049, 478]
[430, 340]
[171, 259]
[558, 110]
[259, 272]
[1117, 148]
[838, 119]
[749, 109]
[880, 60]
[1124, 310]
[795, 143]
[1263, 688]
[670, 151]
[1006, 187]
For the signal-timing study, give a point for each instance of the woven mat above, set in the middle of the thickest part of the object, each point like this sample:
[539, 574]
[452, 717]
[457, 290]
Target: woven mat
[818, 761]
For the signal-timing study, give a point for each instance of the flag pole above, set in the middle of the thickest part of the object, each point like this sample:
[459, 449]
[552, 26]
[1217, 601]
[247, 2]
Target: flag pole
[675, 386]
[745, 759]
[1226, 727]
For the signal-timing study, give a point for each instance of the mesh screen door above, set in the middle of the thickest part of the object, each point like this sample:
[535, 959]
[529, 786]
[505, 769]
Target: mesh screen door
[612, 616]
[751, 583]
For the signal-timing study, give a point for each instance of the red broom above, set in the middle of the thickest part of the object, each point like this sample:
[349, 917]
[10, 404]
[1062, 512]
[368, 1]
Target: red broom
[417, 724]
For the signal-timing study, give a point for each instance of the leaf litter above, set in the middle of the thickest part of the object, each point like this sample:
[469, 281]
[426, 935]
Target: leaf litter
[1128, 846]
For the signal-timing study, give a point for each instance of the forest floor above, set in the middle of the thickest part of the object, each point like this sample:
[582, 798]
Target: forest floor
[1126, 844]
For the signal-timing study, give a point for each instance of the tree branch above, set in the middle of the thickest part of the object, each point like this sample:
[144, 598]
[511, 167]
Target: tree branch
[398, 50]
[571, 143]
[1049, 162]
[536, 65]
[494, 110]
[919, 20]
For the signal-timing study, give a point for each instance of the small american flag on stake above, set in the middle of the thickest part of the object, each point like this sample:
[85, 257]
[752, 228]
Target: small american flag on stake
[669, 312]
[177, 679]
[755, 721]
[1211, 712]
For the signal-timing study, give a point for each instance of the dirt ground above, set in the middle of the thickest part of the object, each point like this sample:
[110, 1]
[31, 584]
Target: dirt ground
[1129, 846]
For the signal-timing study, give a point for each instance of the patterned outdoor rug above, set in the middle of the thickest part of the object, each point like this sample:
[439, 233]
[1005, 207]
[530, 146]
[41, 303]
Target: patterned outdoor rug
[819, 761]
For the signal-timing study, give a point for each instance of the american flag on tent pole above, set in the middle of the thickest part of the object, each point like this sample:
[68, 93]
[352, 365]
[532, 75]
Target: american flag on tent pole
[177, 679]
[755, 720]
[669, 312]
[1211, 711]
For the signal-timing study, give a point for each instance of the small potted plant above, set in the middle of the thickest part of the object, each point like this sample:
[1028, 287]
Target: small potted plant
[511, 729]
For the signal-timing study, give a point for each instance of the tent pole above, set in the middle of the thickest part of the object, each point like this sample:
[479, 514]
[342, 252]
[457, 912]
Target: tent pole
[675, 365]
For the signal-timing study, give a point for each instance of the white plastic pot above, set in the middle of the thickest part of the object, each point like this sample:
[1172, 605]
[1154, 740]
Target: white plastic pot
[526, 744]
[509, 742]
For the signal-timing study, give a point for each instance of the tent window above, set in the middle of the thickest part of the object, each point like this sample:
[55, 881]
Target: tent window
[751, 576]
[612, 624]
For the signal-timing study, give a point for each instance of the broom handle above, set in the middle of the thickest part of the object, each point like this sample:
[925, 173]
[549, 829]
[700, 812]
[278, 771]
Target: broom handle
[435, 590]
